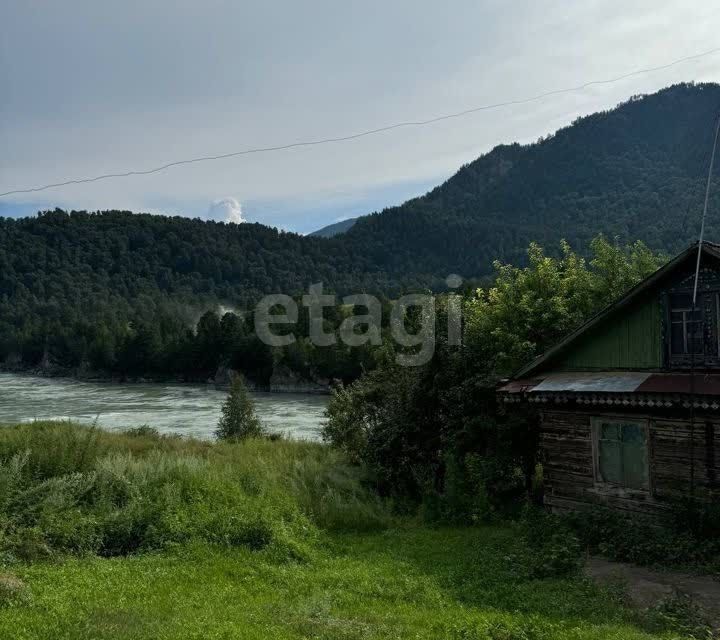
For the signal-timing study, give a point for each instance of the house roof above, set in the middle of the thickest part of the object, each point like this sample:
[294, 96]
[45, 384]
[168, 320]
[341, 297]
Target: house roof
[708, 248]
[614, 389]
[615, 382]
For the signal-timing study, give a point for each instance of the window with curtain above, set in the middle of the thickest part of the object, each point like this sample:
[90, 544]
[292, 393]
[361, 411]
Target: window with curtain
[622, 458]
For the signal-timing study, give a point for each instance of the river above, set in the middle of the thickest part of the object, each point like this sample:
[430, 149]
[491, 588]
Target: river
[185, 409]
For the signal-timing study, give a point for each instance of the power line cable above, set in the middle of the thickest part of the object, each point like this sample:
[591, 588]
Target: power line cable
[362, 134]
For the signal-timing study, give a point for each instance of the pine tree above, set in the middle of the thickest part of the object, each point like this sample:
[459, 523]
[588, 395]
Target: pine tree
[238, 420]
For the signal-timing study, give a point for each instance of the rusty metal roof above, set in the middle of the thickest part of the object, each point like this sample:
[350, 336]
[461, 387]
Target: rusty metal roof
[611, 389]
[626, 382]
[610, 382]
[519, 386]
[707, 384]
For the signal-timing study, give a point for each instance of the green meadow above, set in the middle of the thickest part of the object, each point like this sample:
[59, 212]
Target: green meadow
[133, 535]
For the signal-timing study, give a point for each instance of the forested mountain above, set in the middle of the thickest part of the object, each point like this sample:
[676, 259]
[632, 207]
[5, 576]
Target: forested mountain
[75, 284]
[637, 172]
[128, 293]
[334, 229]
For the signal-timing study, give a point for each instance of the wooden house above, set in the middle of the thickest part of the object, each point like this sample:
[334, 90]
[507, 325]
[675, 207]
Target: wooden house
[629, 403]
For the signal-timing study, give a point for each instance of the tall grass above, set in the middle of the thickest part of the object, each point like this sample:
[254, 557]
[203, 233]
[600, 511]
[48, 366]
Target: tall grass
[66, 488]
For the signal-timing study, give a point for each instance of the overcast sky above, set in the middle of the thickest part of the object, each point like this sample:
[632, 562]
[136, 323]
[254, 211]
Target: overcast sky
[92, 87]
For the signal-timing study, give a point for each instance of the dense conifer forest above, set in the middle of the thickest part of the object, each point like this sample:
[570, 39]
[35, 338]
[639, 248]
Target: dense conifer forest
[130, 293]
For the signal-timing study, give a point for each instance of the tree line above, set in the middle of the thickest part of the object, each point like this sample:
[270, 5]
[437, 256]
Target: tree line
[432, 435]
[124, 292]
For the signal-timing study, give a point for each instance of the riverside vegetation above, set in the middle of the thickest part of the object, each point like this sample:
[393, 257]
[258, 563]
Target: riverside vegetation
[414, 523]
[411, 525]
[133, 535]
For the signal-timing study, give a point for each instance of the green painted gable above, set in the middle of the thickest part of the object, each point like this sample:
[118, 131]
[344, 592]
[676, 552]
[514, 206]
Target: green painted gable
[628, 334]
[629, 339]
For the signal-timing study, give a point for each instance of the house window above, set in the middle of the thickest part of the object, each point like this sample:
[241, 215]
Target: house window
[693, 337]
[621, 453]
[686, 326]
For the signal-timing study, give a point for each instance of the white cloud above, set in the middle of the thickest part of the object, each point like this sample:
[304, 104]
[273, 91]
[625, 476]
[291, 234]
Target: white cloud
[226, 210]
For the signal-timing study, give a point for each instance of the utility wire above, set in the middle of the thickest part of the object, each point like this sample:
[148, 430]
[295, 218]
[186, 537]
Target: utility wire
[362, 134]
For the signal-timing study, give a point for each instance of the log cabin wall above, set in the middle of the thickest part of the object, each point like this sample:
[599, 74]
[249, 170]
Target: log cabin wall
[569, 463]
[675, 444]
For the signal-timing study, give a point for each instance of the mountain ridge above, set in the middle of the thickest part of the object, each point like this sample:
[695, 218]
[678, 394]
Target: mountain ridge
[636, 172]
[618, 171]
[330, 230]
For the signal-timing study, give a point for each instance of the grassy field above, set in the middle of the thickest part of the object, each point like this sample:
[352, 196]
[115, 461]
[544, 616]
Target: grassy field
[135, 536]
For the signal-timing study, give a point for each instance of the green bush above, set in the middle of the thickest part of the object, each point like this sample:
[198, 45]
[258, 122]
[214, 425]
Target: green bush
[476, 489]
[678, 613]
[701, 516]
[550, 547]
[53, 449]
[115, 494]
[143, 430]
[643, 540]
[434, 440]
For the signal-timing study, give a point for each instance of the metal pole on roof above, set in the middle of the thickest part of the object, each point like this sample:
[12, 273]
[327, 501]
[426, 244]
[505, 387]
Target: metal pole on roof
[694, 323]
[704, 214]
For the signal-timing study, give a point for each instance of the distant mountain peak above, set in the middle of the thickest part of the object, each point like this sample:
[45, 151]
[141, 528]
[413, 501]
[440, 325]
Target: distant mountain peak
[334, 229]
[636, 172]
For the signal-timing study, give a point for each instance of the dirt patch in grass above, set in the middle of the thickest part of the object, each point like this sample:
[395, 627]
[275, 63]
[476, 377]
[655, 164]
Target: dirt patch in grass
[648, 589]
[12, 589]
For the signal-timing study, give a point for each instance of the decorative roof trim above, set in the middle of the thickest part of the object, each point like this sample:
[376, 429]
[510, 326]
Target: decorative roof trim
[644, 400]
